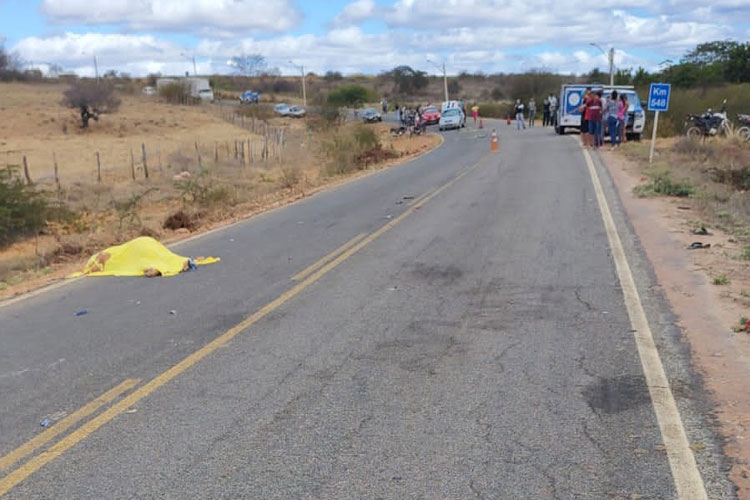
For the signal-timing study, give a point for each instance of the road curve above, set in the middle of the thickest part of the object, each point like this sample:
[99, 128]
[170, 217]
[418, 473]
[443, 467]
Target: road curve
[453, 327]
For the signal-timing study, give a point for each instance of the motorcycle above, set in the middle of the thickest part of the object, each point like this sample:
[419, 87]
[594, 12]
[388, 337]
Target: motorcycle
[708, 124]
[744, 131]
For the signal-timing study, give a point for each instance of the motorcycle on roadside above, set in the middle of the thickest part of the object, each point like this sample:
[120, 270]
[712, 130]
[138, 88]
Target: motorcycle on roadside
[744, 131]
[708, 124]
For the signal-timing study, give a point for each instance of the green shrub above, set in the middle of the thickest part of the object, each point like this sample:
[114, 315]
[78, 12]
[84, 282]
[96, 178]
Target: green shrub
[721, 279]
[662, 184]
[22, 210]
[202, 190]
[351, 149]
[351, 95]
[745, 253]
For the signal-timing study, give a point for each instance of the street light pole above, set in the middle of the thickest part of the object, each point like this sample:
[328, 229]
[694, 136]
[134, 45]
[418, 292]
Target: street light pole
[445, 77]
[611, 56]
[96, 68]
[195, 69]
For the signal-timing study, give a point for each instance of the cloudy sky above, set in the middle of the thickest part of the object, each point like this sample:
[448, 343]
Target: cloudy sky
[369, 36]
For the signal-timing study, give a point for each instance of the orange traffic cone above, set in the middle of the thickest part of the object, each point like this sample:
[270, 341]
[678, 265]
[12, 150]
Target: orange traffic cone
[481, 123]
[508, 119]
[494, 143]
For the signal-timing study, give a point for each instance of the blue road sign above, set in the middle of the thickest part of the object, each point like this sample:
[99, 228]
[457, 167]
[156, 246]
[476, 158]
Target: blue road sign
[658, 96]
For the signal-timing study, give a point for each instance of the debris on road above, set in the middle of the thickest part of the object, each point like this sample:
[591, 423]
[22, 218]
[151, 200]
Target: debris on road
[697, 245]
[131, 411]
[82, 312]
[173, 312]
[702, 231]
[142, 256]
[45, 423]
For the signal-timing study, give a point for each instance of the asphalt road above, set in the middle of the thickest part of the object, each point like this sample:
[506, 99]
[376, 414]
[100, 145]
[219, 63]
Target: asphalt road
[472, 345]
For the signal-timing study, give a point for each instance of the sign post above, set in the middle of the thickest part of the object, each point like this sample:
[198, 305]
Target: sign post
[658, 100]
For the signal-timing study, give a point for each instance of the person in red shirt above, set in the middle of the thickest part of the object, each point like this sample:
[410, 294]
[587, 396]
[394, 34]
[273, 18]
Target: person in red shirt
[594, 109]
[584, 117]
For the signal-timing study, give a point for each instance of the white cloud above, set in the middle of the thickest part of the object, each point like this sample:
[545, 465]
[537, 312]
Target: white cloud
[356, 12]
[210, 17]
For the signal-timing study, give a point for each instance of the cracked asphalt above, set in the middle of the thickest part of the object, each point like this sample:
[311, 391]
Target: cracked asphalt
[479, 348]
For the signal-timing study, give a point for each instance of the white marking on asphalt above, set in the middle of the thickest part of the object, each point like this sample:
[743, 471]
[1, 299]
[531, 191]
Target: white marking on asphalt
[687, 478]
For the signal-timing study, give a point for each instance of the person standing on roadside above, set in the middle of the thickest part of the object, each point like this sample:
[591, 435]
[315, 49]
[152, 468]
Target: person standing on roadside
[545, 112]
[532, 112]
[595, 118]
[475, 113]
[553, 110]
[518, 110]
[622, 117]
[584, 109]
[612, 110]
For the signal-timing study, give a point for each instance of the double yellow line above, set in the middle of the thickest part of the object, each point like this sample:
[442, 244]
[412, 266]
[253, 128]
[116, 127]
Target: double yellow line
[305, 278]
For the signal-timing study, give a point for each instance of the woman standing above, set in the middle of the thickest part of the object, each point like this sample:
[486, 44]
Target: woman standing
[613, 108]
[622, 117]
[595, 118]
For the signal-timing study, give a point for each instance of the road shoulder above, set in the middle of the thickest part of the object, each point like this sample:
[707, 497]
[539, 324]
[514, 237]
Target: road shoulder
[716, 352]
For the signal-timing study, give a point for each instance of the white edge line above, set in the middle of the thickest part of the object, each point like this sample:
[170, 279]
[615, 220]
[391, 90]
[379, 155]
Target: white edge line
[687, 478]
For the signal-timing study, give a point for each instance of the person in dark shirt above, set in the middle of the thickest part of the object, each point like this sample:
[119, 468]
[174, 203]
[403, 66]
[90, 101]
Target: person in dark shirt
[545, 112]
[585, 142]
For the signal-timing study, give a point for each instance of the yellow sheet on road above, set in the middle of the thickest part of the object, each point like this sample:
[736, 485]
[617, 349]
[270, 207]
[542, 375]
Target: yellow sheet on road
[138, 256]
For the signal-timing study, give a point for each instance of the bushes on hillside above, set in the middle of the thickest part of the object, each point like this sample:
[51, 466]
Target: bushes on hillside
[350, 95]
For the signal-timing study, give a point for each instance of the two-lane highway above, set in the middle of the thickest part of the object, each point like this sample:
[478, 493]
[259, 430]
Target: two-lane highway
[453, 327]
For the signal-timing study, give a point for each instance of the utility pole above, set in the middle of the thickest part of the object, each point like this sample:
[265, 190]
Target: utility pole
[96, 68]
[445, 77]
[302, 73]
[195, 69]
[611, 56]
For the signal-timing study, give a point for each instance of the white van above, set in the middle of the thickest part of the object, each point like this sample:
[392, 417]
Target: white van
[571, 96]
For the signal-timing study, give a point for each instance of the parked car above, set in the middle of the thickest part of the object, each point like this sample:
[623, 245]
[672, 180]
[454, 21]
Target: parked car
[149, 91]
[281, 109]
[430, 115]
[452, 118]
[249, 97]
[296, 112]
[371, 115]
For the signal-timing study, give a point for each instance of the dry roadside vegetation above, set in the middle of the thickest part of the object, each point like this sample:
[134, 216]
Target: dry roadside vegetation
[162, 170]
[708, 181]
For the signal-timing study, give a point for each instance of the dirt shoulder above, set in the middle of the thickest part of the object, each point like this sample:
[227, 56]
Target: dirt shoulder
[709, 290]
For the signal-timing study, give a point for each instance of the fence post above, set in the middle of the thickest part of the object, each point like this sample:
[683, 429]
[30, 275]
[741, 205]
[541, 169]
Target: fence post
[26, 172]
[158, 157]
[242, 151]
[143, 155]
[57, 177]
[216, 151]
[198, 153]
[132, 164]
[236, 153]
[98, 168]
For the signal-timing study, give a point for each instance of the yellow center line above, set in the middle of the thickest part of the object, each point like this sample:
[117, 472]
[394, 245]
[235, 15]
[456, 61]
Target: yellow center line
[66, 423]
[318, 264]
[85, 430]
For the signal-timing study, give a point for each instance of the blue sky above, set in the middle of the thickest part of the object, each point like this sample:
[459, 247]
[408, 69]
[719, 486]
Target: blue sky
[142, 36]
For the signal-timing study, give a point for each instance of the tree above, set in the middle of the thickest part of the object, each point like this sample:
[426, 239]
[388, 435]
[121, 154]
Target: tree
[409, 80]
[454, 87]
[738, 65]
[248, 64]
[596, 76]
[716, 52]
[623, 76]
[350, 95]
[641, 78]
[332, 76]
[92, 98]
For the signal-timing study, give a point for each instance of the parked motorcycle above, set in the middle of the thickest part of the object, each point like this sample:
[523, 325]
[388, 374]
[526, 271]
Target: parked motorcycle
[708, 124]
[744, 131]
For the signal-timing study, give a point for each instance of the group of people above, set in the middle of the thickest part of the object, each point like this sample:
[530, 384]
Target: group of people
[549, 112]
[410, 117]
[595, 110]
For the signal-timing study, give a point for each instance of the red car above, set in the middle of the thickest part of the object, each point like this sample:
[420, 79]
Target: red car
[430, 115]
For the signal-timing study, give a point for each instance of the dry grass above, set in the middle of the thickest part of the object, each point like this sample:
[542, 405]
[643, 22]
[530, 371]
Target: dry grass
[714, 173]
[118, 208]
